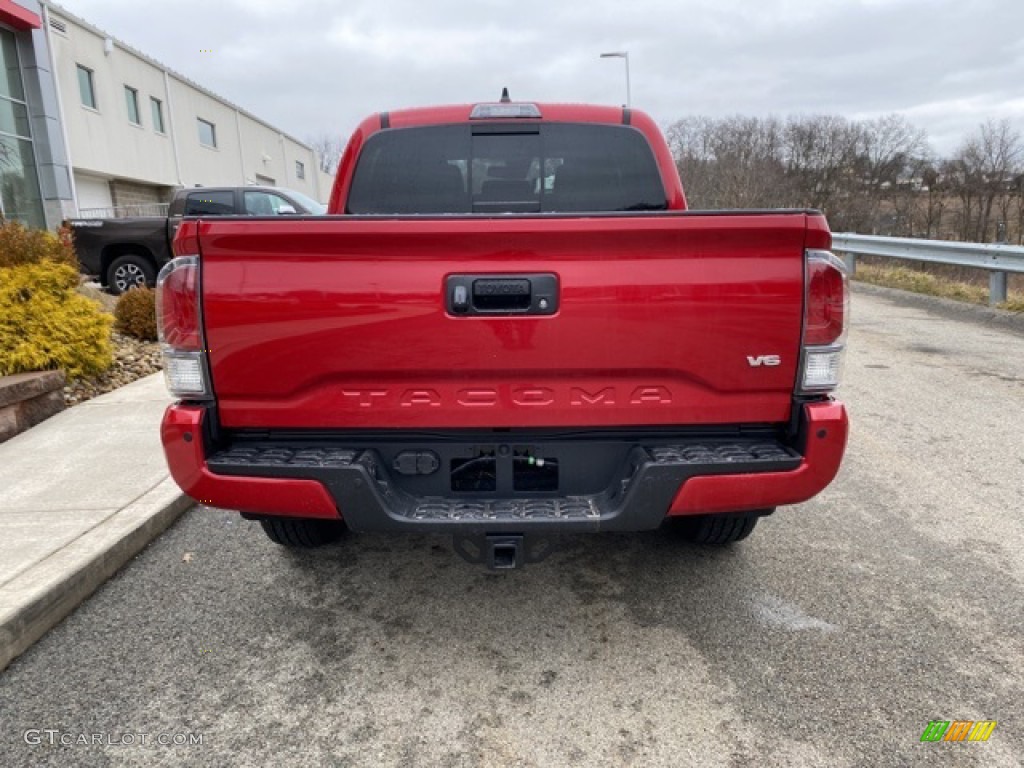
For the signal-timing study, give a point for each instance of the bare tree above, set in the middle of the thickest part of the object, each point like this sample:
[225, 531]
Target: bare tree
[936, 190]
[748, 152]
[691, 142]
[735, 162]
[890, 159]
[1018, 190]
[982, 172]
[328, 151]
[1004, 153]
[871, 176]
[821, 154]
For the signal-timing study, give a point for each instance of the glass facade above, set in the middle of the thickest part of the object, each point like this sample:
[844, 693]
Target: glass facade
[19, 181]
[10, 72]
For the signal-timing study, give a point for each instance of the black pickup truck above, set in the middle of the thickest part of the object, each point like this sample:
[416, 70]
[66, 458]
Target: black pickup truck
[125, 253]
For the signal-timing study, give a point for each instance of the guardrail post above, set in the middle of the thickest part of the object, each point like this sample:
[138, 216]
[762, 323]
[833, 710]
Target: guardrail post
[998, 259]
[996, 288]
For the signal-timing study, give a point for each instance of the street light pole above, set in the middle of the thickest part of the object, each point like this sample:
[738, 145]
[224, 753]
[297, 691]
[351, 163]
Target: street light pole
[621, 55]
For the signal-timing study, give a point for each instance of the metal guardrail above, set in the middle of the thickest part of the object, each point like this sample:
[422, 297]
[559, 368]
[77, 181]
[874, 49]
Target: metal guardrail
[997, 258]
[124, 211]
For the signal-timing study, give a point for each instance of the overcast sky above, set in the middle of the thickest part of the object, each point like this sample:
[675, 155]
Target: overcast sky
[312, 66]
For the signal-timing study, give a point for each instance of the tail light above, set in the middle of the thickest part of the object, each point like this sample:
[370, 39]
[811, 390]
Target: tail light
[180, 323]
[826, 313]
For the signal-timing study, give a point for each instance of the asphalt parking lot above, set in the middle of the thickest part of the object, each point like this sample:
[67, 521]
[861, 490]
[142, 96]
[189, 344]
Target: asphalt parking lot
[831, 637]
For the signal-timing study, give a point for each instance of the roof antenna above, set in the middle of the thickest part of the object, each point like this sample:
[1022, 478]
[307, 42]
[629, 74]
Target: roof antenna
[504, 96]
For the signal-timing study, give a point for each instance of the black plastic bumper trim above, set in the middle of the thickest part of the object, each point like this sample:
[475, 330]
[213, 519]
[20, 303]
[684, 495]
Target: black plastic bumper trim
[636, 498]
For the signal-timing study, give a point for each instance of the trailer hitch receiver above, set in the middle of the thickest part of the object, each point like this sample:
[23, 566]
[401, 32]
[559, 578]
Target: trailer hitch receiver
[504, 551]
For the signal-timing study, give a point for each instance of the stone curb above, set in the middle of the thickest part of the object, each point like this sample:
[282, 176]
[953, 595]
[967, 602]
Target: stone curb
[40, 597]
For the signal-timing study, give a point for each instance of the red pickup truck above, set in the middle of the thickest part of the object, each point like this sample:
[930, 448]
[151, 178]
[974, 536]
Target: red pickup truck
[508, 327]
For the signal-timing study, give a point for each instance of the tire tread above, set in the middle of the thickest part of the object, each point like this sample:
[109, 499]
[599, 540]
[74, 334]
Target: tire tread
[717, 530]
[302, 533]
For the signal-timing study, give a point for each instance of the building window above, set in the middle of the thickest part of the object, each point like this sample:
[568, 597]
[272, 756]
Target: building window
[207, 133]
[300, 170]
[158, 114]
[20, 196]
[86, 87]
[131, 99]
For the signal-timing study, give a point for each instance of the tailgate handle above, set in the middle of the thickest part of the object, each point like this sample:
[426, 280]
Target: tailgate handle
[496, 294]
[473, 295]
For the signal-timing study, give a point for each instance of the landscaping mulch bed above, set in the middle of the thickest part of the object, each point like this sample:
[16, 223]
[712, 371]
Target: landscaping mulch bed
[133, 359]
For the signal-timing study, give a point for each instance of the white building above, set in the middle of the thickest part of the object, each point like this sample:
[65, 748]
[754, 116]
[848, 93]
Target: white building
[98, 128]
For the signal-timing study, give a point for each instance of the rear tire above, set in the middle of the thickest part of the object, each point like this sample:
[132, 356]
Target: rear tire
[717, 530]
[130, 271]
[302, 533]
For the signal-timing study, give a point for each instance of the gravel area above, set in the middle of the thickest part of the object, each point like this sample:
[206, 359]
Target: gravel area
[93, 290]
[133, 359]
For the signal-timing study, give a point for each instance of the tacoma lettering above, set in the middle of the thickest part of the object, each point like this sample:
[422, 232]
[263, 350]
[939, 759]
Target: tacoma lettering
[533, 396]
[580, 396]
[651, 396]
[477, 397]
[365, 396]
[412, 397]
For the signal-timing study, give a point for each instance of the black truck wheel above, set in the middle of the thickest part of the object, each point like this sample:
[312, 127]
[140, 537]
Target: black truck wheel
[716, 530]
[130, 271]
[301, 533]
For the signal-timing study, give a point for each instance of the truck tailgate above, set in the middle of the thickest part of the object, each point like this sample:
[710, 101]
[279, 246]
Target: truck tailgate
[663, 319]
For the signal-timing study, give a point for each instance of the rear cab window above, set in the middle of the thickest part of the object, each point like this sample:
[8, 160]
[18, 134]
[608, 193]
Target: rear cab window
[210, 203]
[506, 168]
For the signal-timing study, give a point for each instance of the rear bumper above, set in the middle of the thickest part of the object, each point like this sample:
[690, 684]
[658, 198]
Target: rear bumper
[684, 476]
[824, 431]
[183, 434]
